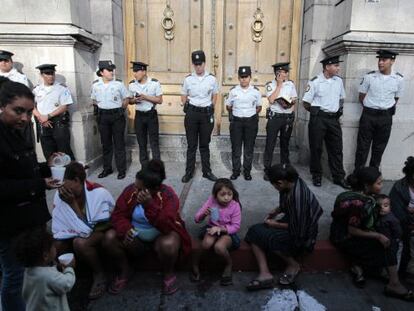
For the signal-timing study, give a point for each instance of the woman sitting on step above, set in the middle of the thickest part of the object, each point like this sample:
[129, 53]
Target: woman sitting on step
[80, 218]
[287, 231]
[147, 216]
[353, 231]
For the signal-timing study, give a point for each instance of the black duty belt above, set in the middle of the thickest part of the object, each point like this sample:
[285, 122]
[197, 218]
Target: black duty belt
[328, 114]
[207, 109]
[144, 113]
[244, 118]
[378, 112]
[110, 111]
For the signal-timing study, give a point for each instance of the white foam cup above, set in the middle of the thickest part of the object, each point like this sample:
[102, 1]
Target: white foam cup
[66, 259]
[58, 172]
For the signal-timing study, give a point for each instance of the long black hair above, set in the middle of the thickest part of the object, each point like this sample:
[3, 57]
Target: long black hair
[282, 172]
[10, 90]
[408, 170]
[225, 183]
[152, 174]
[75, 170]
[362, 177]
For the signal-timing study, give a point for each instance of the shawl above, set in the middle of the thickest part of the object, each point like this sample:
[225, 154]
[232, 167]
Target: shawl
[400, 198]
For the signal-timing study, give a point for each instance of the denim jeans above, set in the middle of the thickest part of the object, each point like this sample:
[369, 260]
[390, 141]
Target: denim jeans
[12, 280]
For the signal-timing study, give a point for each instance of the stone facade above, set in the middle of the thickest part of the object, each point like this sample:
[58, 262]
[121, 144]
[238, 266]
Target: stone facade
[75, 34]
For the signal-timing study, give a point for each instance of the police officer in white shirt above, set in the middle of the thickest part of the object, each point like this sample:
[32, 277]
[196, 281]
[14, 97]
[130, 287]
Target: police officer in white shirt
[324, 97]
[379, 92]
[199, 96]
[243, 104]
[111, 97]
[7, 70]
[281, 94]
[146, 93]
[51, 112]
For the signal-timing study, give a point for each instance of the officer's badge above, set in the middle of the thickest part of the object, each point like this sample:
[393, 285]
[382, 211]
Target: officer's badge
[268, 87]
[56, 104]
[362, 81]
[115, 98]
[307, 88]
[197, 56]
[244, 70]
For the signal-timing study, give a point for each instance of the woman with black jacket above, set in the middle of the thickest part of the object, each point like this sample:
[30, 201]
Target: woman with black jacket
[23, 182]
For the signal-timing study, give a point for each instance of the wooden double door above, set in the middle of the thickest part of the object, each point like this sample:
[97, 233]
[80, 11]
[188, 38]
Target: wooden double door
[233, 33]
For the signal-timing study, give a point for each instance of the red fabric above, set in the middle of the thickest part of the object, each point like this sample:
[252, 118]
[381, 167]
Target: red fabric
[92, 185]
[162, 212]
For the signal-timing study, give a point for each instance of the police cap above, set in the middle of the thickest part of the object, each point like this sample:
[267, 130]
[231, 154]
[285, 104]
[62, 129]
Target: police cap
[244, 71]
[331, 60]
[136, 66]
[47, 68]
[386, 54]
[281, 66]
[198, 57]
[5, 54]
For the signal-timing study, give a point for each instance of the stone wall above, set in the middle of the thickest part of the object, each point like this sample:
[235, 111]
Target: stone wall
[356, 29]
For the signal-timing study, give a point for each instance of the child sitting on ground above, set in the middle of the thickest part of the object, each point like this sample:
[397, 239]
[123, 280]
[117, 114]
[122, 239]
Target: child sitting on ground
[224, 211]
[387, 223]
[44, 287]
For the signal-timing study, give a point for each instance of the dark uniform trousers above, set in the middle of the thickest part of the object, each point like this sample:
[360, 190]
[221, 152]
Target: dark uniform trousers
[374, 127]
[56, 138]
[198, 127]
[146, 126]
[111, 124]
[326, 127]
[243, 132]
[278, 123]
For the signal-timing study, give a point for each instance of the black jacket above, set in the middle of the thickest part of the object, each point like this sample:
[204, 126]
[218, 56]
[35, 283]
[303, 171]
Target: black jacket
[22, 187]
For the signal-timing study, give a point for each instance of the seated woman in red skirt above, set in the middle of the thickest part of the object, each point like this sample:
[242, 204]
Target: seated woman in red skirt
[147, 215]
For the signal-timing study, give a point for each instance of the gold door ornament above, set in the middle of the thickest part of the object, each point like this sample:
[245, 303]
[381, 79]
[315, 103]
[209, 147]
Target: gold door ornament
[257, 26]
[168, 23]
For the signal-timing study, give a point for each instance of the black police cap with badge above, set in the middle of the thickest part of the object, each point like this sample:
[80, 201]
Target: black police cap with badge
[104, 64]
[244, 71]
[281, 66]
[387, 54]
[136, 66]
[198, 57]
[47, 68]
[5, 55]
[331, 60]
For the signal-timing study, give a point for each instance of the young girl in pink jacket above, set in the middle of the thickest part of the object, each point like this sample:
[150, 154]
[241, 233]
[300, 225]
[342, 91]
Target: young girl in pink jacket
[224, 216]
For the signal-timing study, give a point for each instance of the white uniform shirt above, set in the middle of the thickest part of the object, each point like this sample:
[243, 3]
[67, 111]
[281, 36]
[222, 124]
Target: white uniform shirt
[381, 90]
[151, 88]
[15, 76]
[50, 98]
[325, 93]
[109, 95]
[288, 90]
[244, 101]
[200, 89]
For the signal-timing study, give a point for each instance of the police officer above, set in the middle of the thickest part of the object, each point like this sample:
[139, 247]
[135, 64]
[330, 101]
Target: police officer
[379, 92]
[7, 70]
[111, 97]
[324, 98]
[51, 112]
[199, 96]
[243, 104]
[281, 94]
[146, 94]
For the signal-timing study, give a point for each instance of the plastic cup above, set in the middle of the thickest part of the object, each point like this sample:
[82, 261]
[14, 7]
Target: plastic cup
[214, 214]
[66, 259]
[58, 172]
[61, 160]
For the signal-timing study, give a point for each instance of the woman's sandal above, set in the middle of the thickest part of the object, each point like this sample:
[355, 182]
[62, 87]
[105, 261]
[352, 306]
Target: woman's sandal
[97, 290]
[226, 280]
[260, 284]
[407, 296]
[288, 278]
[358, 277]
[117, 285]
[169, 285]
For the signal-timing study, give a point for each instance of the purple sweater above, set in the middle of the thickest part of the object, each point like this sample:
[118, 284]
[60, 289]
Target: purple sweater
[230, 215]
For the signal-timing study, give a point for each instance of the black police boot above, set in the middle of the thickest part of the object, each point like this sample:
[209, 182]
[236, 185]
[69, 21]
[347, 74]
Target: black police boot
[317, 181]
[247, 176]
[265, 176]
[342, 183]
[187, 177]
[210, 176]
[121, 175]
[105, 173]
[234, 176]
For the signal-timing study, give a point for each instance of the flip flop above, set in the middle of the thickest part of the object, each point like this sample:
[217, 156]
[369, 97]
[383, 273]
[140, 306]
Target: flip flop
[288, 278]
[194, 277]
[260, 284]
[226, 280]
[358, 277]
[117, 285]
[407, 296]
[97, 290]
[169, 285]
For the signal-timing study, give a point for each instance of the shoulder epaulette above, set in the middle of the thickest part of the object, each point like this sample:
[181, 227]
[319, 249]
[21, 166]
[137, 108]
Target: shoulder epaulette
[268, 82]
[95, 81]
[232, 87]
[399, 74]
[371, 72]
[132, 81]
[314, 78]
[210, 74]
[155, 80]
[188, 75]
[256, 88]
[63, 84]
[292, 81]
[119, 80]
